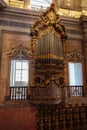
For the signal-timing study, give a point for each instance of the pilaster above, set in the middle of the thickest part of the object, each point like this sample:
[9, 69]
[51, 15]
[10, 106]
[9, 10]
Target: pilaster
[84, 48]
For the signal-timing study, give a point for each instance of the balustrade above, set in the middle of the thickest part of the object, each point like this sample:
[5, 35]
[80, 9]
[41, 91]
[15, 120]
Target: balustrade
[75, 90]
[62, 118]
[18, 93]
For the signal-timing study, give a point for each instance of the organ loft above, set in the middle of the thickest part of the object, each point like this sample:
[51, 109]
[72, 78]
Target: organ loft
[48, 48]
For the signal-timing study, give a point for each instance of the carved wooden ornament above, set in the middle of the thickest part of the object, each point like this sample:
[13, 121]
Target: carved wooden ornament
[74, 55]
[20, 51]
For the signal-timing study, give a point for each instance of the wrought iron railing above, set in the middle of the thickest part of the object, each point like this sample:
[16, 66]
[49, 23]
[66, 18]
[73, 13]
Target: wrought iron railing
[76, 90]
[18, 93]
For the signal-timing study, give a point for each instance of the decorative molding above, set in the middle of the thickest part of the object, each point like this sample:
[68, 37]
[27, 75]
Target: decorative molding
[84, 12]
[69, 13]
[15, 32]
[20, 52]
[14, 24]
[74, 55]
[59, 83]
[49, 20]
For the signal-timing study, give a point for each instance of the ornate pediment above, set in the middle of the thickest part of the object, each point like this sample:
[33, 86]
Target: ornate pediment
[20, 52]
[49, 20]
[74, 55]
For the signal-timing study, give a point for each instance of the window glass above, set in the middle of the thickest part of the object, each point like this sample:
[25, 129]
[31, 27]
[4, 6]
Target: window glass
[24, 65]
[75, 74]
[19, 73]
[18, 64]
[75, 78]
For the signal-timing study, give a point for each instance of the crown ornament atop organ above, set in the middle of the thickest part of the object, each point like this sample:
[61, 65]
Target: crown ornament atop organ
[48, 47]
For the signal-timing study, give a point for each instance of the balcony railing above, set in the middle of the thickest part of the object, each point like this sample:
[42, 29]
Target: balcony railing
[76, 90]
[18, 93]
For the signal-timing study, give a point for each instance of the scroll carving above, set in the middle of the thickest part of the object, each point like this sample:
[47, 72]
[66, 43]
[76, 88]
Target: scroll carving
[74, 55]
[20, 52]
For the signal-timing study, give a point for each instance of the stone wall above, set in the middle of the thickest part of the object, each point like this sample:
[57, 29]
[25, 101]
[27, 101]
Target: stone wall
[15, 27]
[17, 118]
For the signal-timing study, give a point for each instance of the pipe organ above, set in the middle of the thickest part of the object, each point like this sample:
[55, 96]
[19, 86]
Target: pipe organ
[48, 48]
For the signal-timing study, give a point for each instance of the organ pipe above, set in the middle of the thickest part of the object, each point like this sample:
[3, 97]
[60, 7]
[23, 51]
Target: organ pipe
[49, 48]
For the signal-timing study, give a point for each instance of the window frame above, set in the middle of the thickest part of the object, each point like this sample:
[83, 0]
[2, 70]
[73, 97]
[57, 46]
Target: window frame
[19, 52]
[19, 88]
[69, 92]
[21, 72]
[75, 82]
[75, 55]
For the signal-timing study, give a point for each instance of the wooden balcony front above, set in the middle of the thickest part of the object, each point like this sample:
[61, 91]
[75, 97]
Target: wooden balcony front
[19, 93]
[76, 90]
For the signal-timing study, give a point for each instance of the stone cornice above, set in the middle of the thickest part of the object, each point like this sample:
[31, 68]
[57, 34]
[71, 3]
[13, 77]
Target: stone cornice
[69, 21]
[20, 12]
[83, 18]
[25, 13]
[15, 24]
[69, 13]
